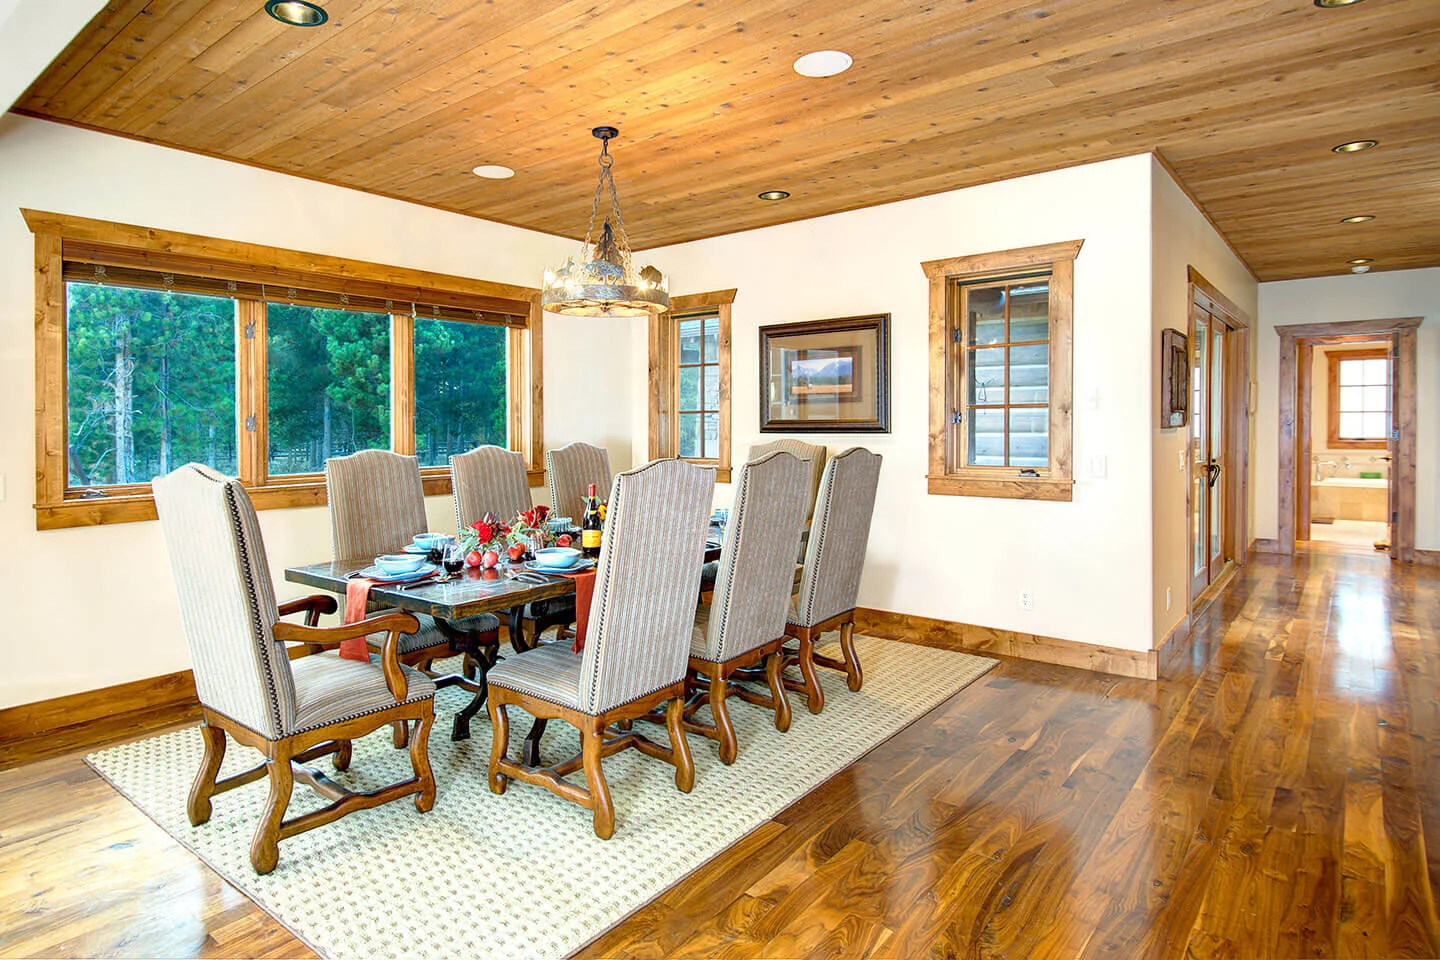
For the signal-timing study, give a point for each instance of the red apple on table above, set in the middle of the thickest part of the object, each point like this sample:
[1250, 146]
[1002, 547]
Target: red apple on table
[473, 558]
[488, 559]
[516, 551]
[564, 540]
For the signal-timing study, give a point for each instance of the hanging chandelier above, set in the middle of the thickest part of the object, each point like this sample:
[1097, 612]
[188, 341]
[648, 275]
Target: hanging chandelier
[603, 281]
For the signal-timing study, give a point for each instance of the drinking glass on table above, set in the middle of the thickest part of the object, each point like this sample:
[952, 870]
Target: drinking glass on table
[454, 558]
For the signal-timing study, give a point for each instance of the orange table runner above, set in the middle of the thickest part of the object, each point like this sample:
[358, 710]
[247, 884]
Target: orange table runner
[584, 591]
[357, 598]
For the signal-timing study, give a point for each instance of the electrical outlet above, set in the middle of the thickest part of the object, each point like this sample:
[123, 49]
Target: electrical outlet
[1181, 457]
[1167, 599]
[1027, 600]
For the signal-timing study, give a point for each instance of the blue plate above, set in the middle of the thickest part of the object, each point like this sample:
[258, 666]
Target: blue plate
[373, 572]
[576, 567]
[414, 548]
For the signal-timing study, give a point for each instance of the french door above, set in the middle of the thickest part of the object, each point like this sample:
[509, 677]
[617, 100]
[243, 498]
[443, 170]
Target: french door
[1209, 441]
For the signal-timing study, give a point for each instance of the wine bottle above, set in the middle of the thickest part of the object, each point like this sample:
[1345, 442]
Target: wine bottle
[591, 525]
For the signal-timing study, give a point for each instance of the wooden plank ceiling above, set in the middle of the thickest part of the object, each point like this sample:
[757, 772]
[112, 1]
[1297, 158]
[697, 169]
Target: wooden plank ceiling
[1245, 98]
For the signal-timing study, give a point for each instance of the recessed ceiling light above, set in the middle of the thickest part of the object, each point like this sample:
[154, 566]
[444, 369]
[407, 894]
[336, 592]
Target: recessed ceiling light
[493, 171]
[296, 13]
[1355, 146]
[1360, 261]
[1361, 218]
[1360, 268]
[1335, 3]
[823, 63]
[774, 195]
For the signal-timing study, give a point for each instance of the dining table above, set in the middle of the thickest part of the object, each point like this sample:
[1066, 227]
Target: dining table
[504, 590]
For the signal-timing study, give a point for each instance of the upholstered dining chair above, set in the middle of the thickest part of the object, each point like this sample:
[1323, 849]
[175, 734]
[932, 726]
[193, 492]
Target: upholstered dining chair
[813, 454]
[830, 581]
[572, 469]
[636, 644]
[491, 479]
[377, 504]
[249, 689]
[744, 623]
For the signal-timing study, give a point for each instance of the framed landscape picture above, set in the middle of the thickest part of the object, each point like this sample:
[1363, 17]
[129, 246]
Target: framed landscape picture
[826, 376]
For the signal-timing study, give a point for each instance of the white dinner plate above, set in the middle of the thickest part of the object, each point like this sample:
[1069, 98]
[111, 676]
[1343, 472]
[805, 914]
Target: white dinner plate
[373, 572]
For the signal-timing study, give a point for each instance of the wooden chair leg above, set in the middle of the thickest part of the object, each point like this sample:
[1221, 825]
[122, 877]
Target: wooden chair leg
[203, 789]
[341, 760]
[729, 746]
[853, 677]
[773, 665]
[814, 695]
[603, 807]
[265, 848]
[499, 745]
[679, 746]
[420, 762]
[401, 734]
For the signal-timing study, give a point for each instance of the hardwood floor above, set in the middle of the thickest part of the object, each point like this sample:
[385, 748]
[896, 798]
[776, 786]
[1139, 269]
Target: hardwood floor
[1276, 795]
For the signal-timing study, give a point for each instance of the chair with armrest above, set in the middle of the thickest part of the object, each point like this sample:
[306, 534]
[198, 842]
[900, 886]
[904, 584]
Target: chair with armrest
[249, 689]
[744, 623]
[636, 644]
[830, 580]
[377, 505]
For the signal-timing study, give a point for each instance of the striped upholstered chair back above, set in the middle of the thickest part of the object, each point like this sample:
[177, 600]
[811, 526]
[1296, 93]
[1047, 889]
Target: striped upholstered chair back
[646, 581]
[572, 468]
[227, 602]
[757, 559]
[812, 453]
[377, 503]
[489, 479]
[835, 554]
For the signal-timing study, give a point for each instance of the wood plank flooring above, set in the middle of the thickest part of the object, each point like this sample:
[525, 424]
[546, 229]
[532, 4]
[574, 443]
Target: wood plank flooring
[1276, 795]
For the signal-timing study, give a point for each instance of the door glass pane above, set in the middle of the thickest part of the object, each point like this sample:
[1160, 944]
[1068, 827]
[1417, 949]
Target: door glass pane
[1352, 398]
[986, 306]
[987, 438]
[460, 386]
[1217, 434]
[690, 341]
[1030, 373]
[1199, 563]
[1198, 411]
[987, 375]
[1030, 437]
[329, 380]
[690, 436]
[1030, 310]
[150, 383]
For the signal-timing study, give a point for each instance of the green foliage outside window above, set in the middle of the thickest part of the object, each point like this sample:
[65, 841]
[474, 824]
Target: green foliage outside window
[460, 382]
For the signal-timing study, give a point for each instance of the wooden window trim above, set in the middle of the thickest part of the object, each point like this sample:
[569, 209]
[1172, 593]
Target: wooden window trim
[664, 377]
[1333, 439]
[130, 247]
[945, 476]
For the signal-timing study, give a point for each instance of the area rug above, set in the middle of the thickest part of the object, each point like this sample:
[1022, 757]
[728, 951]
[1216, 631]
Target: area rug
[522, 875]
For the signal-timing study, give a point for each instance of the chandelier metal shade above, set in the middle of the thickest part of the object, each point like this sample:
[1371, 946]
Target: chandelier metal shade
[602, 280]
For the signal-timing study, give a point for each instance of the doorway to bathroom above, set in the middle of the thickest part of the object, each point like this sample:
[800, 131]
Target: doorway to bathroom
[1347, 436]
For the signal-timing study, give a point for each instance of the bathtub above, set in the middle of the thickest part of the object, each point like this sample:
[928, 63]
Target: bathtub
[1349, 498]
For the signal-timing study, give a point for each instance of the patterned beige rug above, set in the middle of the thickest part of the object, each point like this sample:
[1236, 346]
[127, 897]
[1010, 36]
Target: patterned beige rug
[522, 875]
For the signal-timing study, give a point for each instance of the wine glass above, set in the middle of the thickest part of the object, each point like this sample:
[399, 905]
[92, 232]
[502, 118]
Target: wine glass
[454, 559]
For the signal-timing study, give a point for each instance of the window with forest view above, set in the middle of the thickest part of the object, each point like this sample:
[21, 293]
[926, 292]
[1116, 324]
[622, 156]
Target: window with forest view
[151, 381]
[329, 385]
[460, 384]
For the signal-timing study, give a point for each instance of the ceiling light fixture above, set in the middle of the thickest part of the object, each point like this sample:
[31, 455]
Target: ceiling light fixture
[1360, 268]
[296, 13]
[774, 195]
[1355, 146]
[823, 63]
[1359, 261]
[1359, 218]
[1335, 3]
[493, 171]
[603, 281]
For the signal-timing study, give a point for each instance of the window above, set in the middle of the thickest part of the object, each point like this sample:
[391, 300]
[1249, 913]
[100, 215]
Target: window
[328, 385]
[1359, 393]
[151, 383]
[1000, 373]
[690, 381]
[155, 349]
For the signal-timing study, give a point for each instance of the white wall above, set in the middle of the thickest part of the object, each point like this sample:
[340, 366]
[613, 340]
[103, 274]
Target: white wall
[32, 33]
[967, 558]
[1369, 296]
[102, 597]
[1181, 238]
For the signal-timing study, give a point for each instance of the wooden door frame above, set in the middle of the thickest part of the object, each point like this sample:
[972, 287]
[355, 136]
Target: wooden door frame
[1235, 525]
[1297, 345]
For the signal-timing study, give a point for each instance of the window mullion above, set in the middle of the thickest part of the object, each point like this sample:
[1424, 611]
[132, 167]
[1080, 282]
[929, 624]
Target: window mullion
[402, 383]
[252, 391]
